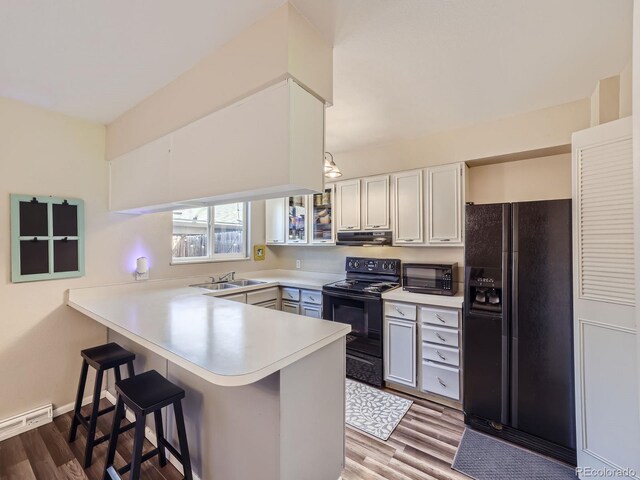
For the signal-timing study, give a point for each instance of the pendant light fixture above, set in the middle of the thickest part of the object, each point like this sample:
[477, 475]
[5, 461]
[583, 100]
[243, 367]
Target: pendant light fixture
[331, 170]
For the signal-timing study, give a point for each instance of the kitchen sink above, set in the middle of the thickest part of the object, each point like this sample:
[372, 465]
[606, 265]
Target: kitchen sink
[245, 283]
[215, 286]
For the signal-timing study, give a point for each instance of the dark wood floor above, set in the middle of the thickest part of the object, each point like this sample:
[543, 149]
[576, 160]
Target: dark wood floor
[421, 448]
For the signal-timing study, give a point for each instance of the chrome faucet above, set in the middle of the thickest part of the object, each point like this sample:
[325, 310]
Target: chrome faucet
[226, 276]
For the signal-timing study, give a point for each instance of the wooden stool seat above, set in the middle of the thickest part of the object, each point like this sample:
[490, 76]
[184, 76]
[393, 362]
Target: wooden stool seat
[102, 358]
[144, 394]
[109, 355]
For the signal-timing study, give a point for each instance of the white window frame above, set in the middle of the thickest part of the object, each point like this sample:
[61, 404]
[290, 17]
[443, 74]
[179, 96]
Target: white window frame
[219, 257]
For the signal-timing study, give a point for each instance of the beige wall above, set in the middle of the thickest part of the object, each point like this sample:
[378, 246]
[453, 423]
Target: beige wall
[541, 129]
[280, 45]
[44, 153]
[522, 181]
[626, 82]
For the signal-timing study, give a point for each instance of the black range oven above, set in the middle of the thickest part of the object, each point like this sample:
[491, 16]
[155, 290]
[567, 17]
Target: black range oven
[357, 301]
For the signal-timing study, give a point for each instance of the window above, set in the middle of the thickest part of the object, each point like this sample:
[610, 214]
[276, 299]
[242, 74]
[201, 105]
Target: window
[210, 233]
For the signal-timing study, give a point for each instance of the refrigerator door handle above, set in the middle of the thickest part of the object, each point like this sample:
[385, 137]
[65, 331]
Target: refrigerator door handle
[505, 400]
[513, 312]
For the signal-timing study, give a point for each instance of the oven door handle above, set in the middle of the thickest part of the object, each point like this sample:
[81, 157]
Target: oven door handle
[351, 296]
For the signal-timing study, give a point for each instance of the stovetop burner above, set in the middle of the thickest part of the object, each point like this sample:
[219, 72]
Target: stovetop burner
[362, 286]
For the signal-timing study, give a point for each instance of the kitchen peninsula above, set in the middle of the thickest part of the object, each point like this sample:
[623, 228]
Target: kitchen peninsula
[261, 384]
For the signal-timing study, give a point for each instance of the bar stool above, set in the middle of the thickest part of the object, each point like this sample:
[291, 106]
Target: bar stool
[101, 358]
[144, 394]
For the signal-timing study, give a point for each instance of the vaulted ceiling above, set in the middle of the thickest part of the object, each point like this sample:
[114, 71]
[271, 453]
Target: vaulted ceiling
[402, 68]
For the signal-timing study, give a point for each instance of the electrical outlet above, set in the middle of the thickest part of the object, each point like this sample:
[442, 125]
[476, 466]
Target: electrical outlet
[297, 263]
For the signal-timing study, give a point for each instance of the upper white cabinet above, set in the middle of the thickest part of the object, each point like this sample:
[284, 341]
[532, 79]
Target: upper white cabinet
[375, 203]
[445, 204]
[298, 216]
[408, 225]
[268, 143]
[322, 217]
[348, 204]
[275, 217]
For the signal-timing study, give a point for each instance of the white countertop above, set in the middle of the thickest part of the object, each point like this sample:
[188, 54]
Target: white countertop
[224, 342]
[400, 295]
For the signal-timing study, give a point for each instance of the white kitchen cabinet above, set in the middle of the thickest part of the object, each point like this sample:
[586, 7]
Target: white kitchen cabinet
[348, 204]
[291, 307]
[400, 351]
[445, 204]
[408, 218]
[323, 217]
[237, 297]
[275, 218]
[298, 219]
[375, 203]
[308, 310]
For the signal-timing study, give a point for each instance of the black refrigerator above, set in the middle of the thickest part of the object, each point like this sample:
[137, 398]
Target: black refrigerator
[518, 325]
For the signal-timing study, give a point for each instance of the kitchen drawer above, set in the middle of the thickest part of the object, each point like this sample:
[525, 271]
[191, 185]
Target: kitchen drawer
[441, 380]
[292, 294]
[440, 316]
[291, 307]
[440, 336]
[271, 304]
[309, 310]
[264, 295]
[406, 311]
[440, 353]
[311, 296]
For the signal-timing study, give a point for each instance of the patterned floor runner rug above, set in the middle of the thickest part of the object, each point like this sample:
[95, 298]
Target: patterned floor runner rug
[373, 411]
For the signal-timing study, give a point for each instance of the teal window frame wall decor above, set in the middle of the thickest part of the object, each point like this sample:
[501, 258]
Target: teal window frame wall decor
[52, 240]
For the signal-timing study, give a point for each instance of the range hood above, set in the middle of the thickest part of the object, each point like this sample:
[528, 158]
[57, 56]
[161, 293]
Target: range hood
[364, 239]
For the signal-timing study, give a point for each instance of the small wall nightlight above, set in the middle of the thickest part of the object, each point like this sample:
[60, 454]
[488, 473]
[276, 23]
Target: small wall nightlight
[142, 268]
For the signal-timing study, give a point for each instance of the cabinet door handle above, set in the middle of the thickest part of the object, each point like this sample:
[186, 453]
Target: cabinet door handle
[445, 240]
[350, 228]
[408, 240]
[440, 337]
[440, 355]
[400, 311]
[376, 226]
[441, 382]
[440, 318]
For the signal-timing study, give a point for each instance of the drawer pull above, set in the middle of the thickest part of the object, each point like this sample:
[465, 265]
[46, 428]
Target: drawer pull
[440, 355]
[400, 311]
[440, 318]
[441, 382]
[440, 337]
[312, 299]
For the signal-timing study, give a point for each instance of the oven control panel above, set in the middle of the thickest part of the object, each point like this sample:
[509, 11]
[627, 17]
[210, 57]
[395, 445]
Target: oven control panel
[373, 265]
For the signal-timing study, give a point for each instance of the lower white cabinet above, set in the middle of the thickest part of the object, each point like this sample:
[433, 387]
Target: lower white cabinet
[422, 349]
[314, 311]
[291, 307]
[238, 297]
[302, 302]
[400, 351]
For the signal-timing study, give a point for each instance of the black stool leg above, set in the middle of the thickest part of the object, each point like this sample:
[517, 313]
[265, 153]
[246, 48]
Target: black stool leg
[138, 443]
[116, 371]
[76, 410]
[162, 456]
[93, 420]
[113, 440]
[130, 369]
[182, 438]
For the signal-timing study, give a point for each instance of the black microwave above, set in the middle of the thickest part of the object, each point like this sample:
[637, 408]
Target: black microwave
[431, 278]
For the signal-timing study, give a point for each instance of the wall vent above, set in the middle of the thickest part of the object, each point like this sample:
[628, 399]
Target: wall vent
[25, 421]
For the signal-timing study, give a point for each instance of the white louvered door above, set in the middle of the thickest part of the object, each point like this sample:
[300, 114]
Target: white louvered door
[608, 420]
